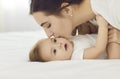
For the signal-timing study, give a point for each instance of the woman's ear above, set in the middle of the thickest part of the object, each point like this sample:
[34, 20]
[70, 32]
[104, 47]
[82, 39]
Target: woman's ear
[67, 9]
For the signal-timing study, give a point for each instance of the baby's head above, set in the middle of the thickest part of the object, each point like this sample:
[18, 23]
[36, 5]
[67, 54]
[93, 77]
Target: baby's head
[51, 49]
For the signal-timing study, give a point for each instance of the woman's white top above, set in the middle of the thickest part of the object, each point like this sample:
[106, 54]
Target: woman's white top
[81, 42]
[109, 9]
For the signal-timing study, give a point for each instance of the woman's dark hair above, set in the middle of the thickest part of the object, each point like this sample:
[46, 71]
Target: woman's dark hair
[50, 6]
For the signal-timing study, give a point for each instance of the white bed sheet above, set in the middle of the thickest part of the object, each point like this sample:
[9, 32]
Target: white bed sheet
[14, 64]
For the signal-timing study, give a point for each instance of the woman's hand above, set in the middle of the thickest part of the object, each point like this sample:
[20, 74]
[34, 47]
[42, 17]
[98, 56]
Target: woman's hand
[114, 35]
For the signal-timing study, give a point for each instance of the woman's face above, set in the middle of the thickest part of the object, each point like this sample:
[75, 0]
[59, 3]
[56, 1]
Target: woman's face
[54, 25]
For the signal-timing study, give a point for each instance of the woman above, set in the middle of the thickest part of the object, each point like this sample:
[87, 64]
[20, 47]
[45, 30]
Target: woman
[61, 17]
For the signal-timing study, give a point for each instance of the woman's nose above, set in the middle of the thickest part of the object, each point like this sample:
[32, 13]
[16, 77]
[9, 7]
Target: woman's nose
[50, 34]
[53, 35]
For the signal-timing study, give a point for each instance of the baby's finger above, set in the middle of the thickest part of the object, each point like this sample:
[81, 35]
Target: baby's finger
[112, 38]
[112, 32]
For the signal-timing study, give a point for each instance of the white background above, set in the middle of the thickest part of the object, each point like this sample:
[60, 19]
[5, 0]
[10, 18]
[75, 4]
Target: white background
[14, 16]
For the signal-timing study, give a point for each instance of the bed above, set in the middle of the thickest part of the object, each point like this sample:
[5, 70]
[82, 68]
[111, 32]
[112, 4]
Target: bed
[15, 64]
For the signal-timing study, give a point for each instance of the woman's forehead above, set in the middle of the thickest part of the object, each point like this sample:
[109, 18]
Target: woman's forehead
[40, 17]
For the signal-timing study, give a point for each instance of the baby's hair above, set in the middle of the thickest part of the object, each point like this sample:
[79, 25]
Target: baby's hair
[34, 54]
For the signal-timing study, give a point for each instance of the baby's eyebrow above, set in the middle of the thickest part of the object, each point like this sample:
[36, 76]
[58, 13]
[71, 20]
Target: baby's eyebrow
[52, 39]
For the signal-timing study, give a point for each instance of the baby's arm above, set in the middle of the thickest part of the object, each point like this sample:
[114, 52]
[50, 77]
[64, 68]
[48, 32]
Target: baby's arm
[101, 42]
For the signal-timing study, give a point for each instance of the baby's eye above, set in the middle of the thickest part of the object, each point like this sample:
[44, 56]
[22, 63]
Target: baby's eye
[54, 51]
[55, 40]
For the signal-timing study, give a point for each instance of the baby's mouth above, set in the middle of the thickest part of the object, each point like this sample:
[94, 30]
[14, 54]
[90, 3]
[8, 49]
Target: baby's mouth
[66, 46]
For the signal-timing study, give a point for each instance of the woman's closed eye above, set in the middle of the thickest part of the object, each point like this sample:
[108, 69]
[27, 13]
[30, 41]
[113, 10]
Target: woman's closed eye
[46, 25]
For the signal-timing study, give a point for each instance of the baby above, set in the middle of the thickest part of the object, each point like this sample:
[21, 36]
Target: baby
[79, 47]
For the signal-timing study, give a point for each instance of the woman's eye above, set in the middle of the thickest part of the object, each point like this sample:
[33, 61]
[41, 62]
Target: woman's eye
[55, 40]
[54, 51]
[49, 26]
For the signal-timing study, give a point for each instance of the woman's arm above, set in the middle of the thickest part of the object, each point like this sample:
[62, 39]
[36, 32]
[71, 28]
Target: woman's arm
[101, 42]
[113, 48]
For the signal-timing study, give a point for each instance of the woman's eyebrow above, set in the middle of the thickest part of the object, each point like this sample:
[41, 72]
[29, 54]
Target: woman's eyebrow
[42, 24]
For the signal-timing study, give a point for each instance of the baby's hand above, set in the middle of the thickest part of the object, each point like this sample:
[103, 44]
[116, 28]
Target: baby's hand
[101, 21]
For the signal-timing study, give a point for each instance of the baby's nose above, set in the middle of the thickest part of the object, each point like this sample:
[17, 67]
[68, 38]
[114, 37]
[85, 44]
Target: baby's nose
[59, 45]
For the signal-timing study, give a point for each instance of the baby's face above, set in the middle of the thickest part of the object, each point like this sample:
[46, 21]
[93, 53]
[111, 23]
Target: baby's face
[56, 49]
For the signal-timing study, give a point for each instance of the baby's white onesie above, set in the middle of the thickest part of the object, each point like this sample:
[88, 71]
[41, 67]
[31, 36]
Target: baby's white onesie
[81, 42]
